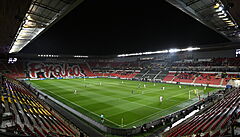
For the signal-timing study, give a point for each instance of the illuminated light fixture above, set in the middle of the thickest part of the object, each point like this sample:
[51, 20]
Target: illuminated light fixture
[216, 5]
[228, 21]
[155, 52]
[231, 24]
[225, 19]
[219, 9]
[29, 17]
[221, 13]
[223, 16]
[159, 52]
[190, 49]
[174, 50]
[26, 22]
[78, 56]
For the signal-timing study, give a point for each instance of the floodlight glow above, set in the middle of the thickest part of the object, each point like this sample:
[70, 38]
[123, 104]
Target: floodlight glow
[78, 56]
[158, 52]
[162, 51]
[190, 49]
[219, 9]
[221, 13]
[216, 5]
[223, 16]
[174, 50]
[225, 19]
[155, 52]
[228, 21]
[231, 24]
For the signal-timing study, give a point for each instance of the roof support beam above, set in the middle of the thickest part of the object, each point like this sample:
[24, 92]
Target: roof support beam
[192, 2]
[39, 15]
[46, 7]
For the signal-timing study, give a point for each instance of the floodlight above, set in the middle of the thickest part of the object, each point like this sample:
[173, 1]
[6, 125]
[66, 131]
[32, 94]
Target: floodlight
[231, 24]
[216, 5]
[174, 50]
[225, 19]
[190, 49]
[222, 16]
[219, 9]
[221, 13]
[228, 21]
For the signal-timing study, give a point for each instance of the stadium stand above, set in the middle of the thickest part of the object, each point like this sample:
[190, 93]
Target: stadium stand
[200, 78]
[28, 115]
[87, 71]
[12, 70]
[169, 77]
[24, 114]
[214, 121]
[126, 70]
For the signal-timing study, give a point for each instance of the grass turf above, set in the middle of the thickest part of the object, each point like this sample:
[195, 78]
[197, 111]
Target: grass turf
[123, 103]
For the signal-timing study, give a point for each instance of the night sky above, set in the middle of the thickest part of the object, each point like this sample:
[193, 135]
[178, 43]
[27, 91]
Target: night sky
[110, 27]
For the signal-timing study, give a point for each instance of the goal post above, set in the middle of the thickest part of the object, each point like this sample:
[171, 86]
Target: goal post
[195, 93]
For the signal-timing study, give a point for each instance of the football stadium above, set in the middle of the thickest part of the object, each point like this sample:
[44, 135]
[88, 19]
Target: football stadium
[85, 68]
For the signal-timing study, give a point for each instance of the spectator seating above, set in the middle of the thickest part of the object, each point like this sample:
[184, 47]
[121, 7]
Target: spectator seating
[169, 77]
[15, 70]
[208, 78]
[213, 121]
[87, 71]
[199, 78]
[184, 77]
[31, 116]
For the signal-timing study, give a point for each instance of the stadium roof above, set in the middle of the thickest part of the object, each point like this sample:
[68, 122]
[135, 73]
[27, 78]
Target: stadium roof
[12, 13]
[134, 27]
[219, 15]
[41, 15]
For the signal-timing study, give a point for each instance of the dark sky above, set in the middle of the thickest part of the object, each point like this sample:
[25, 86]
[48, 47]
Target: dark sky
[106, 27]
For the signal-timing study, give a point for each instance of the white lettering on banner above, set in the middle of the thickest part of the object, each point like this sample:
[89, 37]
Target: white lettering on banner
[55, 70]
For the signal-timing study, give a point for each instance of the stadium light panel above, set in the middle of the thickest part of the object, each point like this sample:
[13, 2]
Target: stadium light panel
[79, 56]
[174, 50]
[190, 49]
[158, 52]
[221, 13]
[132, 54]
[228, 21]
[216, 6]
[223, 16]
[225, 19]
[231, 24]
[155, 52]
[220, 8]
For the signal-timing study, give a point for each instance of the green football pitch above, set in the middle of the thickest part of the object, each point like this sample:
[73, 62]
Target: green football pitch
[123, 103]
